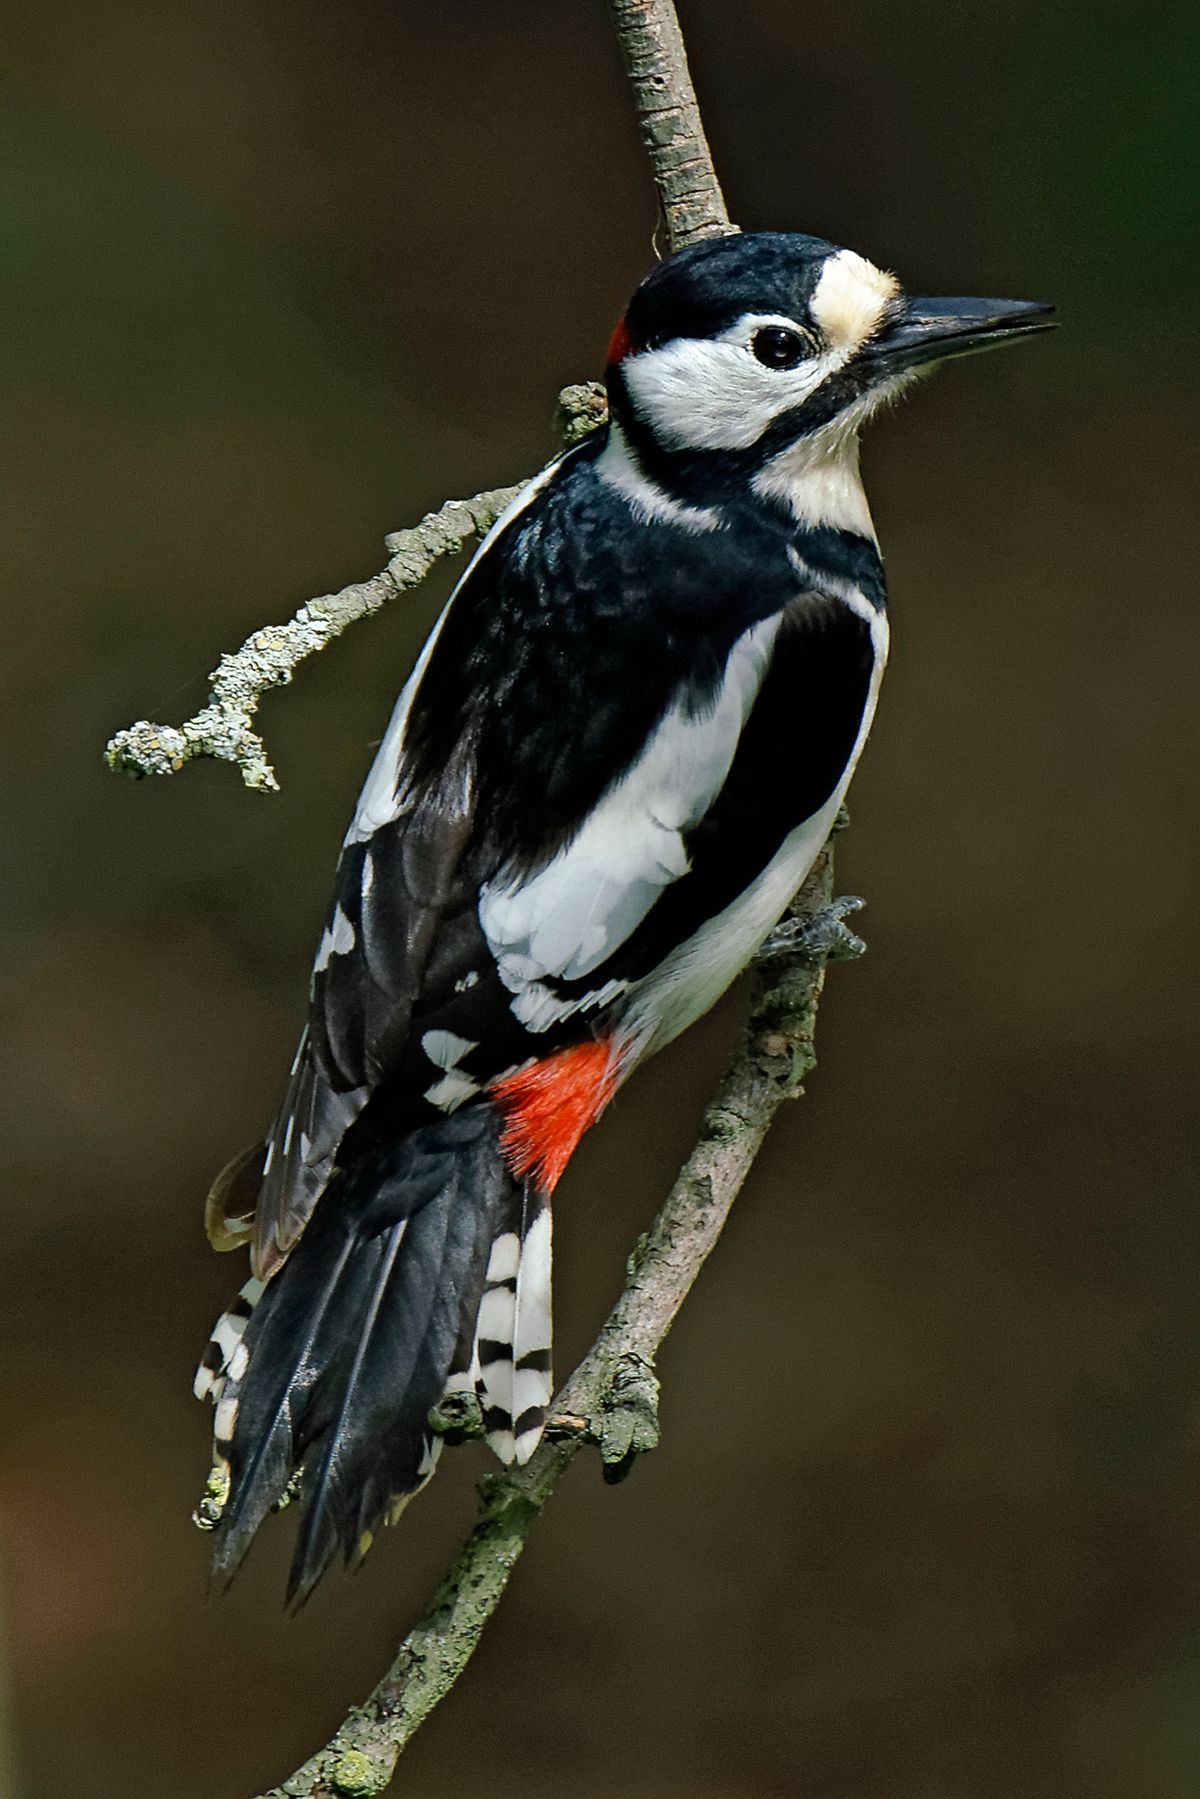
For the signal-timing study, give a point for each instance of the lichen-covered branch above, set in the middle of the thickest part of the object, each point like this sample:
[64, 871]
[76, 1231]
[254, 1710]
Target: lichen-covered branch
[610, 1400]
[655, 60]
[224, 728]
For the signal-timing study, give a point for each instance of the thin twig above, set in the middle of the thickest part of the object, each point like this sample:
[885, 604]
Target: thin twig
[655, 60]
[610, 1398]
[269, 658]
[224, 729]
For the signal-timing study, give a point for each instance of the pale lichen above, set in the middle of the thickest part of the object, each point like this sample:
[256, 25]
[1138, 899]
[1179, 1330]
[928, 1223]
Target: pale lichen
[223, 730]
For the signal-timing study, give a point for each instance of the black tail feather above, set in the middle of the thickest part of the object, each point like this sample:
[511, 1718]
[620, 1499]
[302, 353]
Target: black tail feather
[350, 1345]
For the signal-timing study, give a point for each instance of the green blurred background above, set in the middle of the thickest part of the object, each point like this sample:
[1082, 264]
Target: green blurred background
[925, 1524]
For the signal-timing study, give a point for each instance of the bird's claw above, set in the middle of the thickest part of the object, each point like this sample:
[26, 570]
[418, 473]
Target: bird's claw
[211, 1509]
[822, 937]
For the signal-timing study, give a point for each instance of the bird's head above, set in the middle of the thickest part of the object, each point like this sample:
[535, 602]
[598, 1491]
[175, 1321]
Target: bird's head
[737, 348]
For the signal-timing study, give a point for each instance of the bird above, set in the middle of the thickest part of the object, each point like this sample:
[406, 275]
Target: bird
[616, 759]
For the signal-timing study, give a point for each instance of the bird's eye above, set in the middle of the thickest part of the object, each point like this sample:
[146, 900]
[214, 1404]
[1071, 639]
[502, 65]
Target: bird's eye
[778, 348]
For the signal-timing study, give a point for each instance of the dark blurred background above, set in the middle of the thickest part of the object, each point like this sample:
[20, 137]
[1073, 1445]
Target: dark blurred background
[278, 277]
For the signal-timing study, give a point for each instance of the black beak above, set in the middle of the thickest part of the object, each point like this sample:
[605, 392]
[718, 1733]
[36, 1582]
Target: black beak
[925, 330]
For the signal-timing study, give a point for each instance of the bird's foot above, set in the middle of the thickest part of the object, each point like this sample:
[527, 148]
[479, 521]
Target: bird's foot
[211, 1509]
[822, 937]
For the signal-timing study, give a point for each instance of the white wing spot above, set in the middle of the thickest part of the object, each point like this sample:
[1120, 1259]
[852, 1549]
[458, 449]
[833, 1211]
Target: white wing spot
[336, 940]
[505, 1258]
[496, 1312]
[228, 1334]
[452, 1090]
[446, 1049]
[538, 1007]
[342, 939]
[225, 1419]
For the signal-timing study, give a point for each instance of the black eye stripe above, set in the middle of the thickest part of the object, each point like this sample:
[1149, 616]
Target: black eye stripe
[780, 346]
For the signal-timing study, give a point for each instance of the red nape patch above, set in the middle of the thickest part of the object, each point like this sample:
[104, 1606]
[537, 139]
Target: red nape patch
[619, 344]
[550, 1105]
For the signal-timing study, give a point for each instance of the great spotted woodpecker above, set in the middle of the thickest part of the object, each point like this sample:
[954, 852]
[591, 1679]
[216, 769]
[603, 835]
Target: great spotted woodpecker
[617, 758]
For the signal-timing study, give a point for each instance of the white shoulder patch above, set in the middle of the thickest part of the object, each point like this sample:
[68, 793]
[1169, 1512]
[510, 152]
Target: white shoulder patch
[567, 919]
[696, 973]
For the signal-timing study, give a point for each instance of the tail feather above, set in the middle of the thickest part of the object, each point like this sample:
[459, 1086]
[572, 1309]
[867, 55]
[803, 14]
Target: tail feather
[269, 1428]
[367, 1455]
[513, 1337]
[351, 1344]
[222, 1358]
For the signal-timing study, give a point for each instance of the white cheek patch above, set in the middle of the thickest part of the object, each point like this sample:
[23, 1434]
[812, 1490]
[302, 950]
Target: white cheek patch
[851, 299]
[711, 393]
[714, 394]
